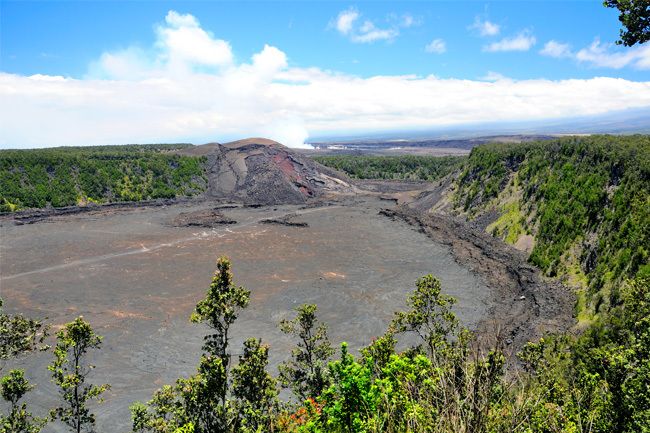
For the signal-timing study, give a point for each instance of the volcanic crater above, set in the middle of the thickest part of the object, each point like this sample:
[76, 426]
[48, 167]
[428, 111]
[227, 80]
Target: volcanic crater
[296, 232]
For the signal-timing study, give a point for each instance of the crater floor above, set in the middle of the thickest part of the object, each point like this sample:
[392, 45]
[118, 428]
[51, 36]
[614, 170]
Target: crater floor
[136, 278]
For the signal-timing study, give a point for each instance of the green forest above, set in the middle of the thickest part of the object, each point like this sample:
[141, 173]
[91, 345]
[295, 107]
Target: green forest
[404, 167]
[67, 176]
[584, 199]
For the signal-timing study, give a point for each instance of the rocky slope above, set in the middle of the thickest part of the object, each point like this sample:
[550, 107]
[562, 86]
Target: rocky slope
[576, 206]
[264, 172]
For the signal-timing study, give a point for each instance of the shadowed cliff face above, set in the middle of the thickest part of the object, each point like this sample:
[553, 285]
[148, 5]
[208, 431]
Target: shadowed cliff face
[262, 171]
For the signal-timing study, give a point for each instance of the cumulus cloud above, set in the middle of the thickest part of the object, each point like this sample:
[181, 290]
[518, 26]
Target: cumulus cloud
[184, 41]
[602, 55]
[181, 46]
[436, 46]
[147, 95]
[348, 23]
[345, 20]
[520, 42]
[556, 49]
[485, 27]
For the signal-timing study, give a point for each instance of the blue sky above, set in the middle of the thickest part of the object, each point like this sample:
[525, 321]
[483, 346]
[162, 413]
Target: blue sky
[515, 53]
[62, 38]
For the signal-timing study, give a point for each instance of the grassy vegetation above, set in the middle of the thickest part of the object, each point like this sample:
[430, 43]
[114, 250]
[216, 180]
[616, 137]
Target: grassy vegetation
[585, 194]
[78, 175]
[405, 167]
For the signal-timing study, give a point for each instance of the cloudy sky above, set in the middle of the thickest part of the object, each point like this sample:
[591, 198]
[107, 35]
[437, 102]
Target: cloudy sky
[141, 72]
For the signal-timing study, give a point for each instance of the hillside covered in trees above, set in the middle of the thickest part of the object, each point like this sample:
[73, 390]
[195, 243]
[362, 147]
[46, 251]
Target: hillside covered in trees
[403, 167]
[584, 201]
[67, 176]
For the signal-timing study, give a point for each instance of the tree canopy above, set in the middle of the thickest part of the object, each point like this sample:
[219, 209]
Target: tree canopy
[635, 18]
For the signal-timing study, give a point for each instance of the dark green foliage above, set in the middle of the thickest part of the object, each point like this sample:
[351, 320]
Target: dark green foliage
[441, 390]
[216, 399]
[380, 351]
[635, 18]
[594, 191]
[19, 334]
[599, 381]
[166, 412]
[69, 373]
[405, 167]
[254, 388]
[77, 175]
[13, 388]
[430, 316]
[220, 308]
[306, 372]
[203, 397]
[194, 404]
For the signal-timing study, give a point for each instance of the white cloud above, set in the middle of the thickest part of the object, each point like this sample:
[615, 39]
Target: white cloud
[602, 55]
[143, 96]
[347, 24]
[270, 60]
[409, 20]
[556, 49]
[174, 19]
[181, 46]
[369, 33]
[520, 42]
[184, 41]
[485, 27]
[437, 46]
[345, 20]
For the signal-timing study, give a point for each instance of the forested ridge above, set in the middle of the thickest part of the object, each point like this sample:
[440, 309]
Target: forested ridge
[403, 167]
[67, 176]
[585, 200]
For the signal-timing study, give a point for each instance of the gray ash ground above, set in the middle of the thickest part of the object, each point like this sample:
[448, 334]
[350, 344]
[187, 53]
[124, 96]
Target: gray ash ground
[136, 278]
